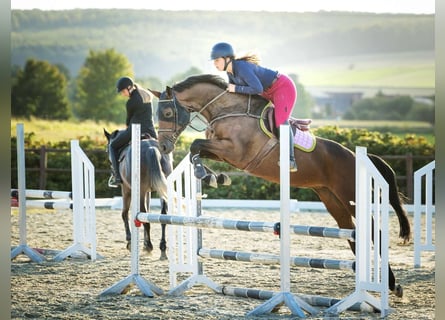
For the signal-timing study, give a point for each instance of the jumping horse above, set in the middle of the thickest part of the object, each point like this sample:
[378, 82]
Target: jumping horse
[152, 179]
[236, 134]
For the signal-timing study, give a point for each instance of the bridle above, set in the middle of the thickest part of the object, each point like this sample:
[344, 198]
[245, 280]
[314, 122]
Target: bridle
[198, 115]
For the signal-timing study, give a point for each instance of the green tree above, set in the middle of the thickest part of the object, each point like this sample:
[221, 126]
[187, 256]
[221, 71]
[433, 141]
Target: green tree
[39, 90]
[95, 95]
[381, 107]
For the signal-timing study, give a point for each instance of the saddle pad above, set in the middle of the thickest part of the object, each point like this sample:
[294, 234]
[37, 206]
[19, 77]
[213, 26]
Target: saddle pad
[304, 140]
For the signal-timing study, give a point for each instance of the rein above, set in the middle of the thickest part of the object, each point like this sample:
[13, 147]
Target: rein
[175, 134]
[247, 113]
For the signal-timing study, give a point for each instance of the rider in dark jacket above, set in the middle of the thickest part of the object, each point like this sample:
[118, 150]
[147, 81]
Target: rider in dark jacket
[139, 110]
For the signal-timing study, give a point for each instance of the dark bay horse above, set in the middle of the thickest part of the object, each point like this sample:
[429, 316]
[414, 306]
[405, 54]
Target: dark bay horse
[152, 179]
[233, 135]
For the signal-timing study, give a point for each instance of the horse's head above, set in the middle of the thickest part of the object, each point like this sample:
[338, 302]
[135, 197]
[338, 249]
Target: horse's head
[173, 118]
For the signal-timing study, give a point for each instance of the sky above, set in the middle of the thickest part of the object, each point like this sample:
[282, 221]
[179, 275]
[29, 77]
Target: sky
[377, 6]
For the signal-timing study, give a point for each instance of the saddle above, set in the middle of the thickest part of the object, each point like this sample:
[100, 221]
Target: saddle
[303, 138]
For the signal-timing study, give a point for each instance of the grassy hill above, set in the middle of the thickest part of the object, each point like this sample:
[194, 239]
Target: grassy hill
[402, 70]
[323, 49]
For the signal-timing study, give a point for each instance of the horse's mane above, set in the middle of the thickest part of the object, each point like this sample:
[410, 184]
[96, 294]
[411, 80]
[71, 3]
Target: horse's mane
[207, 78]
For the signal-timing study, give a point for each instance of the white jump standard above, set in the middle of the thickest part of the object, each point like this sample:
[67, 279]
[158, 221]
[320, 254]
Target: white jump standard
[81, 200]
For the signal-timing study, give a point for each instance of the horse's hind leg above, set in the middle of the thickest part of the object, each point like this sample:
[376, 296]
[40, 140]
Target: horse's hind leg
[343, 216]
[163, 243]
[394, 196]
[145, 204]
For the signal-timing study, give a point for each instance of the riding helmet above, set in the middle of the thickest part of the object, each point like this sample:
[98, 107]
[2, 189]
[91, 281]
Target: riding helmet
[222, 49]
[124, 83]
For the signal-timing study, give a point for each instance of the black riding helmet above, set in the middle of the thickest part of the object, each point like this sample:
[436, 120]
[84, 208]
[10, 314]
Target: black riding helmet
[124, 83]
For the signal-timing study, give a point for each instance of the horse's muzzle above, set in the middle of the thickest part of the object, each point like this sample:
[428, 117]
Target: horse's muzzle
[166, 146]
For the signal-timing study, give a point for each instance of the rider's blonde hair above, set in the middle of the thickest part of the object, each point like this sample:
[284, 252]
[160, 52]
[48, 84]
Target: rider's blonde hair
[250, 57]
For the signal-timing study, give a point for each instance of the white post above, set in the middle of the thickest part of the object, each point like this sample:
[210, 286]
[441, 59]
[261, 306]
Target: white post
[371, 269]
[21, 175]
[188, 240]
[147, 288]
[294, 303]
[428, 209]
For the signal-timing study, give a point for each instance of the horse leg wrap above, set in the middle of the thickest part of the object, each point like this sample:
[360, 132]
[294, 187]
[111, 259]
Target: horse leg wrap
[199, 170]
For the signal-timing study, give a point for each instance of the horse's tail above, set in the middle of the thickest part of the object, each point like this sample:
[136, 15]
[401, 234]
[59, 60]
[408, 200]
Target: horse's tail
[156, 178]
[395, 197]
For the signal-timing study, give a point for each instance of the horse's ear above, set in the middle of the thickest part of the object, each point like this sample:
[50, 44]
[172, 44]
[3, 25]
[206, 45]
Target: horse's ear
[169, 92]
[107, 134]
[155, 93]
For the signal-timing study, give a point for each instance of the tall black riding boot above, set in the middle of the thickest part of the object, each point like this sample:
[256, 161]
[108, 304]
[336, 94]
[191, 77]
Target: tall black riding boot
[292, 162]
[115, 179]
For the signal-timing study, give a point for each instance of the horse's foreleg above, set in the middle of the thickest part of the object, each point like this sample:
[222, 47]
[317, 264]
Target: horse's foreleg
[145, 204]
[148, 246]
[198, 167]
[125, 208]
[203, 148]
[220, 179]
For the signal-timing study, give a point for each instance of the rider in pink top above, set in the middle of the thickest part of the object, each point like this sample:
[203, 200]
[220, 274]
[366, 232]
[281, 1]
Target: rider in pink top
[248, 77]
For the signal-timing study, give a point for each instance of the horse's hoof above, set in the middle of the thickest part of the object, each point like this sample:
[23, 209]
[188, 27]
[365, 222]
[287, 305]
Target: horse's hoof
[224, 180]
[163, 256]
[129, 246]
[210, 180]
[398, 291]
[148, 250]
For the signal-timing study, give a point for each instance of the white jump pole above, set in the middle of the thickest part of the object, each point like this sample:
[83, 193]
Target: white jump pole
[23, 247]
[146, 287]
[294, 303]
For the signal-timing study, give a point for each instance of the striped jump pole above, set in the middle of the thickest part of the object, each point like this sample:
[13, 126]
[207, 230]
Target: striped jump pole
[63, 199]
[241, 225]
[264, 258]
[43, 194]
[146, 287]
[427, 210]
[313, 300]
[50, 205]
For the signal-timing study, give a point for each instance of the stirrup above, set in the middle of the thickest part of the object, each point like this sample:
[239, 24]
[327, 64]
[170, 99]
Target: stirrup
[292, 166]
[112, 183]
